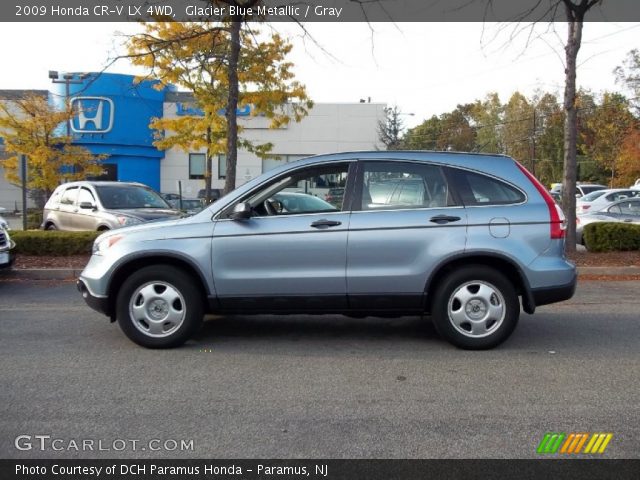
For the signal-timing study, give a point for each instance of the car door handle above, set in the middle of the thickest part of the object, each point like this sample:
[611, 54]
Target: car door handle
[325, 223]
[441, 219]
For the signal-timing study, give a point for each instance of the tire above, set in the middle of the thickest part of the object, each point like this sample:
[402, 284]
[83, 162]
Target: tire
[158, 307]
[51, 227]
[475, 308]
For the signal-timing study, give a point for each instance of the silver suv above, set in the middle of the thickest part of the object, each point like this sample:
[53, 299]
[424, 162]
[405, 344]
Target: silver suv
[464, 238]
[103, 206]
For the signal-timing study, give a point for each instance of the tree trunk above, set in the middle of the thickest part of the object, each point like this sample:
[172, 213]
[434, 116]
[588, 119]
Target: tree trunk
[575, 19]
[232, 105]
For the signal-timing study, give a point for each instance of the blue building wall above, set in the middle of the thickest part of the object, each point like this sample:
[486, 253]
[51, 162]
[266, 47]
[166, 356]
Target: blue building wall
[114, 112]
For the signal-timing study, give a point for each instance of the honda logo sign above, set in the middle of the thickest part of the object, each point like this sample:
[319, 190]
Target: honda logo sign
[93, 114]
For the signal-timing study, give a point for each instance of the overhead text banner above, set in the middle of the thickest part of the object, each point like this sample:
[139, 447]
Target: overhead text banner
[317, 469]
[309, 10]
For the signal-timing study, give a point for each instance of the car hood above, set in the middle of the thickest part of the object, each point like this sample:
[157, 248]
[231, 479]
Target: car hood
[148, 213]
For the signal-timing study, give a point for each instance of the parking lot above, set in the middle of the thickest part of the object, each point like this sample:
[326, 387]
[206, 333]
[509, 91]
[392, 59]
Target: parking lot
[327, 386]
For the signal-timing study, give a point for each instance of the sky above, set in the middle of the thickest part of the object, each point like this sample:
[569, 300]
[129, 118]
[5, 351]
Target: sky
[423, 68]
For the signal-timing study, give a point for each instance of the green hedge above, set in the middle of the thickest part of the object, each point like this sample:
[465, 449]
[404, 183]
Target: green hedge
[53, 243]
[610, 237]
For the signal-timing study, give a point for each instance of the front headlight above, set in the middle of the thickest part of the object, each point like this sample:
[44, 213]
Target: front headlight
[125, 220]
[100, 246]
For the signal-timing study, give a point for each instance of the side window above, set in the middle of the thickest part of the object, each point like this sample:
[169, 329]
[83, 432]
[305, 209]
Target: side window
[69, 196]
[630, 208]
[85, 196]
[614, 209]
[478, 189]
[308, 190]
[402, 185]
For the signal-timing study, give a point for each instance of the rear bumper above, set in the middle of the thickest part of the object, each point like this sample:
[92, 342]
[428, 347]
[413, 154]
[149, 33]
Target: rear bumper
[99, 304]
[556, 293]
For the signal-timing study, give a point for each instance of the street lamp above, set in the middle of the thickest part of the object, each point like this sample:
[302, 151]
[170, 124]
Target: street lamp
[68, 79]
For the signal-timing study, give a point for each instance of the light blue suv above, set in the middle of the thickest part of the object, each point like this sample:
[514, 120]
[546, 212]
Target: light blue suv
[464, 238]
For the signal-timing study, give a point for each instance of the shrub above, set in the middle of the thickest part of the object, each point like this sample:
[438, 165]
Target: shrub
[34, 219]
[53, 243]
[609, 237]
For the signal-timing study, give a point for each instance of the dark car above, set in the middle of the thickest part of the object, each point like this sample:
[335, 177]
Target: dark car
[216, 193]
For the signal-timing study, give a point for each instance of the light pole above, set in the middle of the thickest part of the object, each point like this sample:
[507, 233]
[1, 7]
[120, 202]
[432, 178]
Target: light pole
[68, 79]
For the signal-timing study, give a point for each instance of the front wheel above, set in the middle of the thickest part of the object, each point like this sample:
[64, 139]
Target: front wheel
[475, 308]
[158, 307]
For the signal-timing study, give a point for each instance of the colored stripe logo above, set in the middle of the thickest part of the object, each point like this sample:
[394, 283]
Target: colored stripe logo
[574, 443]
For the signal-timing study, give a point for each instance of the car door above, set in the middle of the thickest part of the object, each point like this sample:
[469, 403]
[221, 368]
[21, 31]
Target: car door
[405, 220]
[285, 259]
[67, 209]
[85, 218]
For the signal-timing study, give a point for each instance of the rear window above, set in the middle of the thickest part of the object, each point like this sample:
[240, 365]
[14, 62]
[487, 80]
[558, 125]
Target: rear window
[478, 189]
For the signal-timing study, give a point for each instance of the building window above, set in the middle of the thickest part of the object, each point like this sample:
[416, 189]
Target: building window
[222, 166]
[197, 165]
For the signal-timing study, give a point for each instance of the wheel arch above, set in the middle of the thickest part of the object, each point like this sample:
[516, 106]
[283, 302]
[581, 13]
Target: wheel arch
[132, 264]
[498, 262]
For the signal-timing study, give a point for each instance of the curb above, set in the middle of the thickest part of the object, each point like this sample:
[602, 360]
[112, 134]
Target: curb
[609, 271]
[44, 273]
[73, 273]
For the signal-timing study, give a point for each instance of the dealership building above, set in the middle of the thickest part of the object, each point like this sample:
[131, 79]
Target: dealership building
[113, 116]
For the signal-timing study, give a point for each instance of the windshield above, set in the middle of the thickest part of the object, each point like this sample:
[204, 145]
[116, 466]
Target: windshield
[591, 188]
[590, 197]
[122, 197]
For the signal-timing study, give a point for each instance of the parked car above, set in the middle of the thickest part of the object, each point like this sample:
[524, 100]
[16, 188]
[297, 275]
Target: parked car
[169, 197]
[3, 222]
[470, 259]
[626, 210]
[103, 206]
[216, 193]
[190, 206]
[582, 189]
[285, 203]
[6, 245]
[600, 198]
[636, 184]
[335, 196]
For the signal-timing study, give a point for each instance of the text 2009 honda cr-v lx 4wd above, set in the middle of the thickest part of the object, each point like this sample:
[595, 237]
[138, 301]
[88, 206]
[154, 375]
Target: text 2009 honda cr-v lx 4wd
[465, 238]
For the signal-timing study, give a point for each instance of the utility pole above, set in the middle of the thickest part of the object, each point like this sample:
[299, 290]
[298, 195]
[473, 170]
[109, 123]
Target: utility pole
[23, 175]
[533, 145]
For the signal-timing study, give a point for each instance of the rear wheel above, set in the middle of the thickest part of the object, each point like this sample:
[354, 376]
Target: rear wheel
[475, 308]
[158, 307]
[50, 226]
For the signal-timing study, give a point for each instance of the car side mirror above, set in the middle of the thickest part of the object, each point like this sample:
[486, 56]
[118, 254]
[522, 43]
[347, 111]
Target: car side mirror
[87, 205]
[578, 195]
[241, 211]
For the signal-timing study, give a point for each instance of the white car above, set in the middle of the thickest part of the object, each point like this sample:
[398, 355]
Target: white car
[636, 185]
[594, 201]
[6, 245]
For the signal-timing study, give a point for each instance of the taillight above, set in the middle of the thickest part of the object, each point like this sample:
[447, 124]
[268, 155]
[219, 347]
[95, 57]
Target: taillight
[556, 215]
[586, 207]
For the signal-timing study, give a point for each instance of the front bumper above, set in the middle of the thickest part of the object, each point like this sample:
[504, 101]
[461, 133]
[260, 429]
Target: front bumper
[99, 304]
[6, 258]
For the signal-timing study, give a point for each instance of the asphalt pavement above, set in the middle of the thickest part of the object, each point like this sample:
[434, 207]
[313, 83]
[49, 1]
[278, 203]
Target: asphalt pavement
[315, 386]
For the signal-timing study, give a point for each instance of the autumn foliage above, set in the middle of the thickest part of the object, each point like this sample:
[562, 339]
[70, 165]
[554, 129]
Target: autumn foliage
[31, 126]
